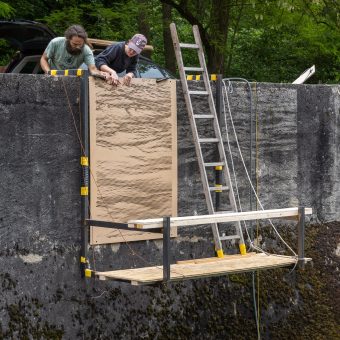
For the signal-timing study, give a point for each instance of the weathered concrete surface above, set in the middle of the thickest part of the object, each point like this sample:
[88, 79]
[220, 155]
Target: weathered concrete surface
[42, 295]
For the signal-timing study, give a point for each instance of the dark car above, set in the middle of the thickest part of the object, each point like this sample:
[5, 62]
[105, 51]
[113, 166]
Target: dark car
[30, 39]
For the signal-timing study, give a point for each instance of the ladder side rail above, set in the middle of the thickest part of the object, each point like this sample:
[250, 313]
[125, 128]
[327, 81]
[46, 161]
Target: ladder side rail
[191, 116]
[217, 129]
[204, 176]
[213, 111]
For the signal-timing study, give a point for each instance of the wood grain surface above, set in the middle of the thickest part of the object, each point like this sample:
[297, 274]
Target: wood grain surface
[133, 155]
[202, 268]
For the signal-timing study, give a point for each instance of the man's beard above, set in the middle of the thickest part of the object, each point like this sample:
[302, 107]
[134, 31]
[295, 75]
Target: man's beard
[71, 50]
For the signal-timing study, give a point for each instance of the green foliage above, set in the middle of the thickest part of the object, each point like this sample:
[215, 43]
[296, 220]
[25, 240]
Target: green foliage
[284, 41]
[6, 11]
[268, 40]
[6, 52]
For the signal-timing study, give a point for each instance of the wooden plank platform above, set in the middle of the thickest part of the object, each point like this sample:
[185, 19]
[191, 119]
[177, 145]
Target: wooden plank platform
[220, 218]
[200, 268]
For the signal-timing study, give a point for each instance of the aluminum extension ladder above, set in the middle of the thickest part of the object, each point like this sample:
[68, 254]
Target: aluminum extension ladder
[210, 118]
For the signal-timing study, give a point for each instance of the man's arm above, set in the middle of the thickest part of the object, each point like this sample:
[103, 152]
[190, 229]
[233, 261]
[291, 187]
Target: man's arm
[44, 63]
[104, 59]
[94, 71]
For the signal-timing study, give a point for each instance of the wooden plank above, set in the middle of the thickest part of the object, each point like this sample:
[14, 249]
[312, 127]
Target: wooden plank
[214, 259]
[215, 267]
[133, 155]
[220, 218]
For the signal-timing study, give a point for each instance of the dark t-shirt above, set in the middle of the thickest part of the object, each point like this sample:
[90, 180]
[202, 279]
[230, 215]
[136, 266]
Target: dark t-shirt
[115, 57]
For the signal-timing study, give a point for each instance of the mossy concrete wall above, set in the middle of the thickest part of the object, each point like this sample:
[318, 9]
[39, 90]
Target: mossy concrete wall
[42, 294]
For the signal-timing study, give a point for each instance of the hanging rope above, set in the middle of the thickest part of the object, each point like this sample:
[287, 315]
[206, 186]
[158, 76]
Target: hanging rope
[246, 171]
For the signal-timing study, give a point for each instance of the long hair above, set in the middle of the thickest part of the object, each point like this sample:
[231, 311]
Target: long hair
[78, 31]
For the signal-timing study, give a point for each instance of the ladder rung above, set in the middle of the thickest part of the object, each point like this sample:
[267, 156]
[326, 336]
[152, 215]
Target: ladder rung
[194, 69]
[201, 93]
[184, 45]
[224, 212]
[214, 164]
[218, 188]
[204, 116]
[230, 237]
[208, 140]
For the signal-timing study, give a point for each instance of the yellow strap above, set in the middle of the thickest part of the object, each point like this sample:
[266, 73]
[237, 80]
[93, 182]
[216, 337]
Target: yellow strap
[83, 259]
[213, 76]
[189, 77]
[53, 72]
[198, 77]
[66, 73]
[84, 191]
[218, 167]
[88, 272]
[79, 72]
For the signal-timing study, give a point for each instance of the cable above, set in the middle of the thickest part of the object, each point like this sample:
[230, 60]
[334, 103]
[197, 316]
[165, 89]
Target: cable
[245, 168]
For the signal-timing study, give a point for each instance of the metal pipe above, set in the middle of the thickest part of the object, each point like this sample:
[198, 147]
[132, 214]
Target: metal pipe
[218, 172]
[166, 249]
[85, 185]
[301, 237]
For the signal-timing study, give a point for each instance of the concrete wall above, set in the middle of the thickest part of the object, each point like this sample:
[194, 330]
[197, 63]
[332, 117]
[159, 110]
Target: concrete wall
[42, 294]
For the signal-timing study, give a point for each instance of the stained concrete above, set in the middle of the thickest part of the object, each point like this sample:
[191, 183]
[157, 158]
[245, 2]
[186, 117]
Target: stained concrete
[43, 296]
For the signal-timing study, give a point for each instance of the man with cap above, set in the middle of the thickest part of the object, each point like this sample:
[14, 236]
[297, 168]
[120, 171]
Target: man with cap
[121, 57]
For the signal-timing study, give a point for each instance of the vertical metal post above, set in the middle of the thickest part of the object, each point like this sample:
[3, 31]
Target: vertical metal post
[301, 237]
[84, 160]
[218, 172]
[166, 249]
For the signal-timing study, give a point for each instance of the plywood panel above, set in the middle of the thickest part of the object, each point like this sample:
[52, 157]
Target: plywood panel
[202, 268]
[133, 155]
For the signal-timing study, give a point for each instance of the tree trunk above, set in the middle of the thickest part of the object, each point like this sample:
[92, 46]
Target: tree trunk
[218, 35]
[169, 53]
[143, 23]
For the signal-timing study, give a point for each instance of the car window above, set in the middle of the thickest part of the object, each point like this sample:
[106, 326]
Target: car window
[148, 70]
[29, 64]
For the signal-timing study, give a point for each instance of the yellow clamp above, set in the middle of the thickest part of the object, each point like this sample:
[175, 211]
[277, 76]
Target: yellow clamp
[218, 186]
[83, 259]
[218, 167]
[88, 272]
[84, 161]
[79, 72]
[84, 191]
[219, 253]
[243, 250]
[138, 226]
[66, 73]
[53, 72]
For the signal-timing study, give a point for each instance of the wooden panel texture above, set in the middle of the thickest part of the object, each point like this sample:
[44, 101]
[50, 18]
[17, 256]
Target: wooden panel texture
[133, 155]
[200, 268]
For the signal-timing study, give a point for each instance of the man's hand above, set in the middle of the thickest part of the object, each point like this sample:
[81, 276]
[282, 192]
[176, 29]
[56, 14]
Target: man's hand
[112, 78]
[127, 79]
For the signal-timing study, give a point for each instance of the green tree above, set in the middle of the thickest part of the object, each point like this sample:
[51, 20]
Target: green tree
[6, 11]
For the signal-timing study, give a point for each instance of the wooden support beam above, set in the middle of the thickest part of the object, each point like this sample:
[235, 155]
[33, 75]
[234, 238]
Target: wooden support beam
[220, 218]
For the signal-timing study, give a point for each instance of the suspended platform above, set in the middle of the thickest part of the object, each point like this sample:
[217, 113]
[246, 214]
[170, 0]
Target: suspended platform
[200, 268]
[206, 267]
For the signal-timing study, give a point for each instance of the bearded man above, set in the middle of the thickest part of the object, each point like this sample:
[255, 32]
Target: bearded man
[69, 52]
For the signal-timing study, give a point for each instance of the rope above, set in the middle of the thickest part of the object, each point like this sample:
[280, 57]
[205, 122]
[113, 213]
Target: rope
[246, 171]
